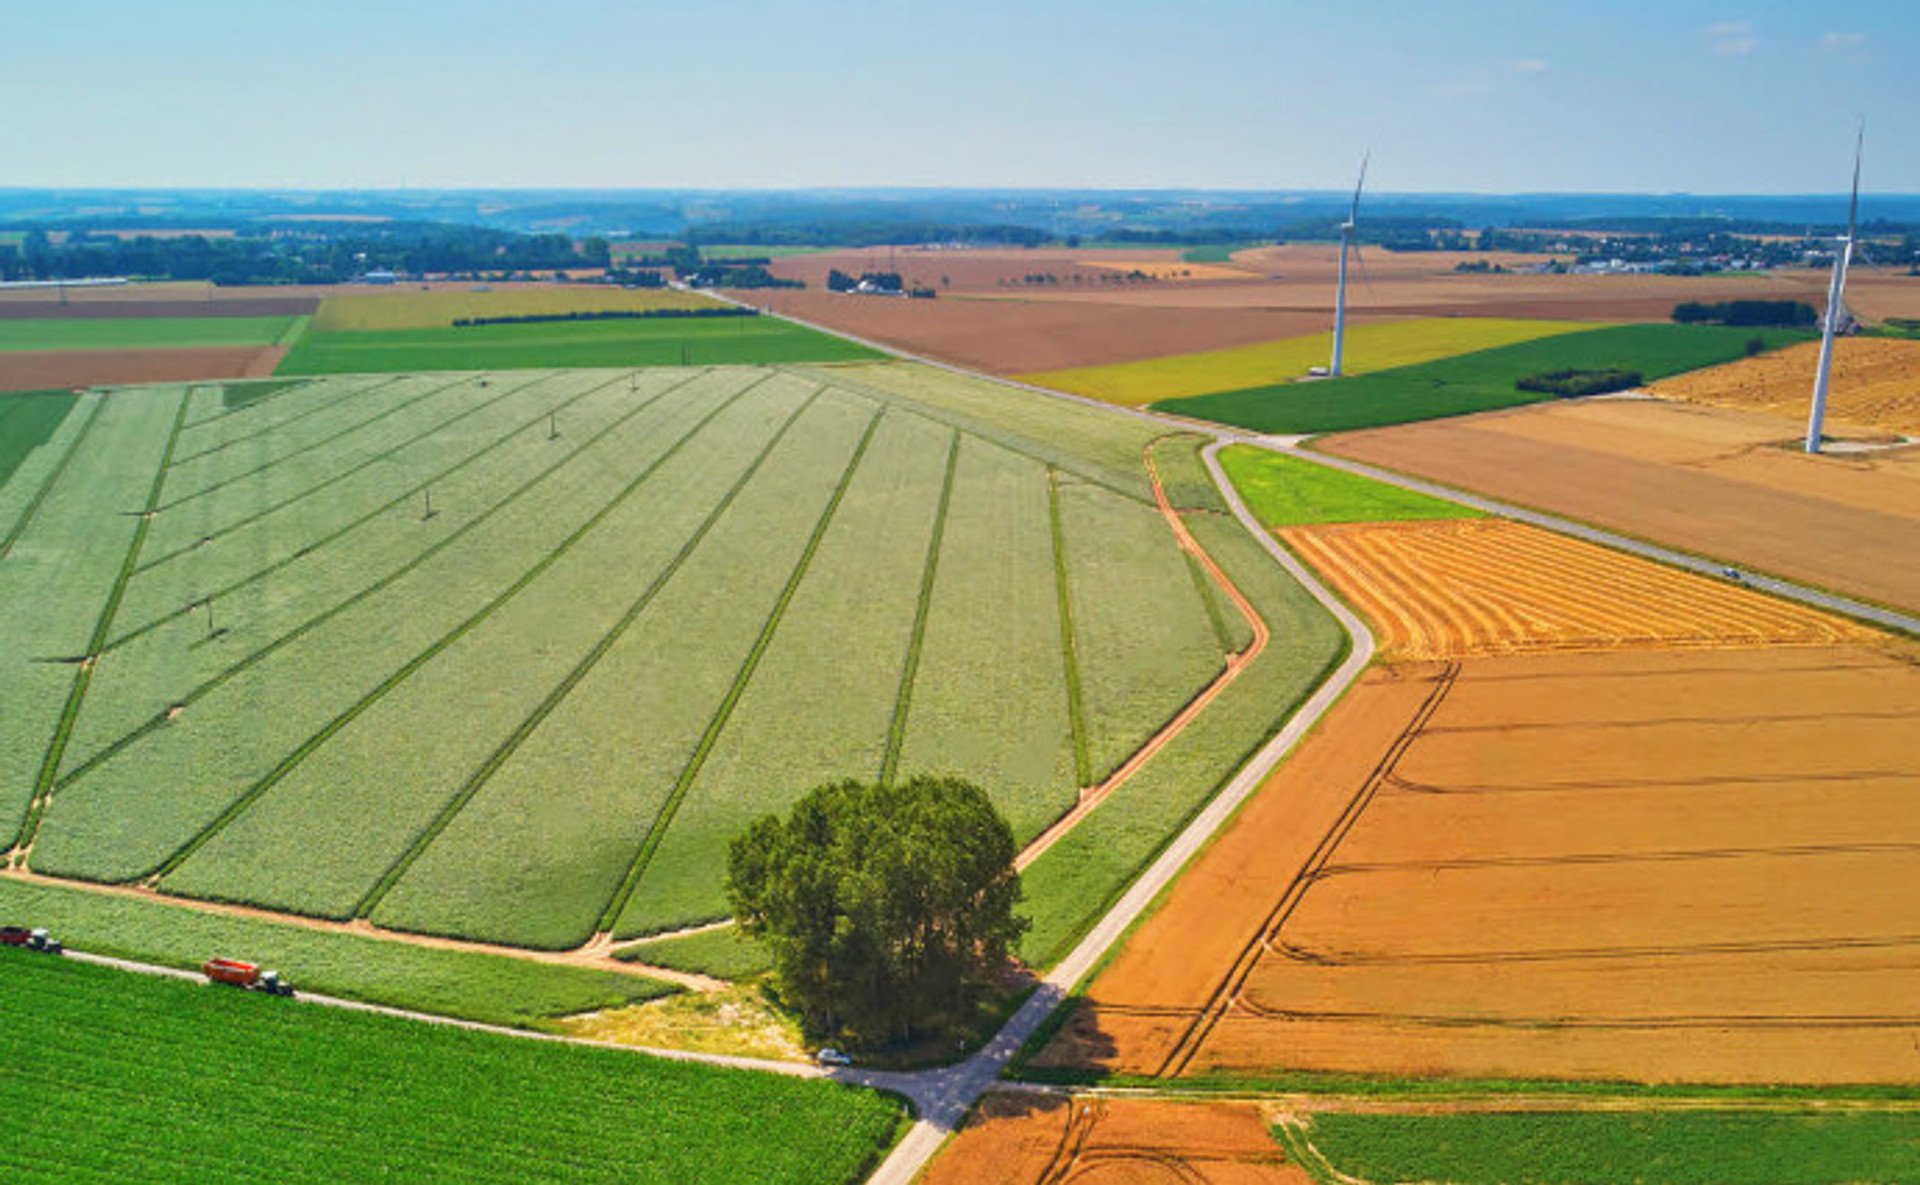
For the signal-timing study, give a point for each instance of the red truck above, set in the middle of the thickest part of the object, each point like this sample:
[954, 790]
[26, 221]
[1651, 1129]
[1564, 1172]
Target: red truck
[31, 939]
[246, 975]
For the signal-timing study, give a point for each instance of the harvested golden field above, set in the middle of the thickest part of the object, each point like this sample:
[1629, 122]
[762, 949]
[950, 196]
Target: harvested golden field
[1018, 1139]
[1875, 384]
[1716, 481]
[1649, 866]
[417, 308]
[1452, 588]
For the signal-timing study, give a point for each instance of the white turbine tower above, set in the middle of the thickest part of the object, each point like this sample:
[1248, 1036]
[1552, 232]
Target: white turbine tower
[1340, 293]
[1836, 291]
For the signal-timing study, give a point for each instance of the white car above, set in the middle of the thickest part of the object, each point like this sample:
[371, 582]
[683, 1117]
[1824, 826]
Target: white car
[832, 1057]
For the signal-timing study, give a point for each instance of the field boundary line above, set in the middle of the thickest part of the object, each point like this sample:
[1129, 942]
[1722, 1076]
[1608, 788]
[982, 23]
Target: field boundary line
[1069, 652]
[268, 649]
[287, 764]
[1195, 556]
[353, 391]
[1228, 990]
[548, 704]
[225, 411]
[656, 834]
[910, 667]
[344, 474]
[309, 447]
[83, 677]
[32, 508]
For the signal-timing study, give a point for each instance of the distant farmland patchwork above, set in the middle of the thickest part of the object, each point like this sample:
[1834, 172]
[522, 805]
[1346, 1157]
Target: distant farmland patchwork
[350, 648]
[1479, 381]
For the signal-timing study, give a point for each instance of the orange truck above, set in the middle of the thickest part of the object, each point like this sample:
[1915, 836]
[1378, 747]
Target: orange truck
[246, 975]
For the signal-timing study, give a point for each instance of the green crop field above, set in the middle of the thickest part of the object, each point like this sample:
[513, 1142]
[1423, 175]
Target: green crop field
[119, 1076]
[663, 341]
[1473, 382]
[1286, 491]
[1690, 1147]
[1369, 348]
[28, 420]
[723, 953]
[143, 333]
[512, 656]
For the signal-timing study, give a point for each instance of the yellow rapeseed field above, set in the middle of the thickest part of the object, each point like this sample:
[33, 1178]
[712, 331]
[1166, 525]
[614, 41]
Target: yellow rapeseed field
[1369, 348]
[361, 312]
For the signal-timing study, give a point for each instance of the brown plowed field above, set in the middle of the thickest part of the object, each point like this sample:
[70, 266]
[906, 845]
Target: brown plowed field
[1716, 481]
[1451, 588]
[1876, 384]
[34, 370]
[1650, 866]
[1017, 1139]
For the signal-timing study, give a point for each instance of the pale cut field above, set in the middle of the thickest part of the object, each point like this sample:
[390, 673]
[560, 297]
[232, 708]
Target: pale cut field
[1646, 866]
[1451, 588]
[1875, 384]
[1716, 481]
[361, 312]
[1369, 348]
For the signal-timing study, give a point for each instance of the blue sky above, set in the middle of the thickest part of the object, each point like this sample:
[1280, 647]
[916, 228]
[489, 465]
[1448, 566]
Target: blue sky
[1458, 95]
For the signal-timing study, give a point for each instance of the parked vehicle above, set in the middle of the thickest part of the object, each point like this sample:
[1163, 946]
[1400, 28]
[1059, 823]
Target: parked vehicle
[246, 975]
[832, 1058]
[31, 939]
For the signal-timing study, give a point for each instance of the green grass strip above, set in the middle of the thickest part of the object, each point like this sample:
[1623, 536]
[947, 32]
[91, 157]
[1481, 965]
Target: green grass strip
[292, 760]
[658, 831]
[321, 619]
[83, 677]
[343, 474]
[1203, 585]
[1076, 707]
[553, 699]
[304, 449]
[406, 495]
[32, 507]
[897, 734]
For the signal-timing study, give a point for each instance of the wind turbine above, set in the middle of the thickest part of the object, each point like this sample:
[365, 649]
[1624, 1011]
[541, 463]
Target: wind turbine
[1340, 293]
[1835, 309]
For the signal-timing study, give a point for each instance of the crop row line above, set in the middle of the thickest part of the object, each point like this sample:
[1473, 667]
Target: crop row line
[83, 676]
[657, 833]
[344, 474]
[1088, 471]
[1076, 707]
[327, 731]
[1218, 618]
[897, 734]
[353, 391]
[32, 507]
[553, 699]
[323, 442]
[334, 536]
[320, 619]
[287, 387]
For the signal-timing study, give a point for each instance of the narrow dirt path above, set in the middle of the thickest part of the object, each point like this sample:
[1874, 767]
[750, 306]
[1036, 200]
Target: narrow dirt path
[1091, 797]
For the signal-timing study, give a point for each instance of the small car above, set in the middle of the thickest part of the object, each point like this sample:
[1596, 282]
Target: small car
[832, 1057]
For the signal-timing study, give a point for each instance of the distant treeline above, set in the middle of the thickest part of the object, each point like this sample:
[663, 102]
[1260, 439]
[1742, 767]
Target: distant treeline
[300, 253]
[605, 315]
[1786, 313]
[863, 233]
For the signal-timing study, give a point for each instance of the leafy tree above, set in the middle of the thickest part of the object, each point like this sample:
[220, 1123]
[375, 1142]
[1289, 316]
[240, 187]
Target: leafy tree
[889, 908]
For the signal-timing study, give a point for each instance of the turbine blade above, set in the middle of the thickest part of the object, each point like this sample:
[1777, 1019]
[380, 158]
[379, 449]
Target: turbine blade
[1354, 214]
[1853, 210]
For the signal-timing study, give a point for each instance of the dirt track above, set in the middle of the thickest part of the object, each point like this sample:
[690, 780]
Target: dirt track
[1452, 588]
[1714, 481]
[1666, 866]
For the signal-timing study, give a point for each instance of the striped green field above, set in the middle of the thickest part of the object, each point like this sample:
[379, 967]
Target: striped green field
[512, 657]
[1369, 348]
[123, 1077]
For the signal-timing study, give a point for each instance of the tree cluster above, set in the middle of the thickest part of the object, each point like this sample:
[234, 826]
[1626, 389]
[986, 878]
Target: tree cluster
[1568, 383]
[888, 908]
[1785, 313]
